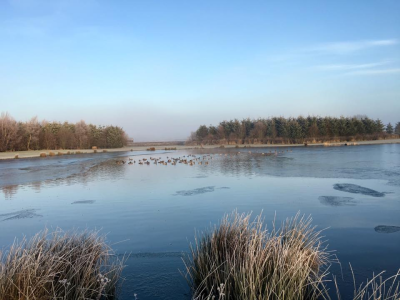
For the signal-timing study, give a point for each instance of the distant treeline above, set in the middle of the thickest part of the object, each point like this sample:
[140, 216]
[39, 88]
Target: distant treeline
[38, 135]
[293, 130]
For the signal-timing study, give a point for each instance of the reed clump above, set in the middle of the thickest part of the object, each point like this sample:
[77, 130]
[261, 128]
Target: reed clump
[60, 265]
[16, 156]
[52, 154]
[150, 149]
[43, 155]
[376, 288]
[241, 259]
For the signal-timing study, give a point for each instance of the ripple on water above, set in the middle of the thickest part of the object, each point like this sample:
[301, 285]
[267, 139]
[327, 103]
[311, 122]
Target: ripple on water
[357, 189]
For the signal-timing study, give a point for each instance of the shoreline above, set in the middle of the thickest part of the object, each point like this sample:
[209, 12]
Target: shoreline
[36, 153]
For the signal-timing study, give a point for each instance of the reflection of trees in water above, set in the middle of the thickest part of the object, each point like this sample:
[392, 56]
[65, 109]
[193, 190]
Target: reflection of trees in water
[232, 164]
[244, 162]
[236, 165]
[9, 191]
[102, 171]
[36, 186]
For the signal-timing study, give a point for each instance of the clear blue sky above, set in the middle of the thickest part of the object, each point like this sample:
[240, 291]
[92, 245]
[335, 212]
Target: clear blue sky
[161, 68]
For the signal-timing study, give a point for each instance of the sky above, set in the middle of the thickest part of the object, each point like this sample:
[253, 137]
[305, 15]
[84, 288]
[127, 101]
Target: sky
[159, 69]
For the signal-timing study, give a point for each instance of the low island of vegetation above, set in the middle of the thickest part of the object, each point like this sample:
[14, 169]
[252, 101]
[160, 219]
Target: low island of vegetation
[279, 130]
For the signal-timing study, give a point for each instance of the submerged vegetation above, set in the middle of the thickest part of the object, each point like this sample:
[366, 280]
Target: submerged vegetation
[240, 259]
[60, 265]
[293, 130]
[38, 135]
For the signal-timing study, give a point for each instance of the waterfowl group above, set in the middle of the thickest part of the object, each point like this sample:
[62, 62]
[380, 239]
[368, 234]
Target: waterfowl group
[192, 159]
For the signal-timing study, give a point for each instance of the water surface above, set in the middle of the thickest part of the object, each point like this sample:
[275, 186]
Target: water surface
[152, 211]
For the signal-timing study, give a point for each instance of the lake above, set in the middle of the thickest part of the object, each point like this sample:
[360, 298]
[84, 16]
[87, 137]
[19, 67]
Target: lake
[153, 211]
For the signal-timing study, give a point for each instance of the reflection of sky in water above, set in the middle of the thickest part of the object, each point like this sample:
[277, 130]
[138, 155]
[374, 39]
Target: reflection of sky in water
[142, 207]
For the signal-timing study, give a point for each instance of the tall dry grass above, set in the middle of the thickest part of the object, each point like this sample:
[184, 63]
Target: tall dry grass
[241, 259]
[60, 265]
[375, 288]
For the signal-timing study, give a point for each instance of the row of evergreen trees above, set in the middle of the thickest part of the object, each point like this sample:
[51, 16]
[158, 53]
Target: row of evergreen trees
[38, 135]
[293, 130]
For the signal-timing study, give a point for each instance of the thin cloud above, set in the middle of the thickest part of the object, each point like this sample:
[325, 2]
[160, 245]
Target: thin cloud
[375, 72]
[345, 67]
[350, 47]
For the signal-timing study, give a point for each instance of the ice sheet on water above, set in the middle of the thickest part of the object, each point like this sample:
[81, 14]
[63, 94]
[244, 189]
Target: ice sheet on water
[337, 201]
[203, 190]
[21, 214]
[84, 202]
[386, 229]
[357, 189]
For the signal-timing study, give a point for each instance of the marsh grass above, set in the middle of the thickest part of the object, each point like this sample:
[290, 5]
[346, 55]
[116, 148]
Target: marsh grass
[241, 259]
[60, 265]
[376, 288]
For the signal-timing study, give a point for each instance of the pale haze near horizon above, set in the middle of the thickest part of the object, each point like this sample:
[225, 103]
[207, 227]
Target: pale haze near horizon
[161, 69]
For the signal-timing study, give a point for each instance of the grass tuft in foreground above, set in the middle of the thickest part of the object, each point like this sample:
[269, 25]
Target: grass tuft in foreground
[60, 265]
[240, 259]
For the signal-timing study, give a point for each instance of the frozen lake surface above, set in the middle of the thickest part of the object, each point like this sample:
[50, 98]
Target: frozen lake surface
[152, 211]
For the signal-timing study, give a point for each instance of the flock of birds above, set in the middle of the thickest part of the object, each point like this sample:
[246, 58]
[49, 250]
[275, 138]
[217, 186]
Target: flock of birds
[187, 160]
[190, 159]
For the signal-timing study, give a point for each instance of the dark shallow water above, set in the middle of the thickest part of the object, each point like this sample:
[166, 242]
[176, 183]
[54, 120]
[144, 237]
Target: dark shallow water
[153, 211]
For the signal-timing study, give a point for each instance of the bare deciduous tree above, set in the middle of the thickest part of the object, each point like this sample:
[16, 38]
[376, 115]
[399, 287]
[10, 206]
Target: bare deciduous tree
[8, 132]
[81, 133]
[33, 131]
[45, 135]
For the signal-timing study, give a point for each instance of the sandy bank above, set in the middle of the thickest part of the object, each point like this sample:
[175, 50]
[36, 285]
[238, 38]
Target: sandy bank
[36, 153]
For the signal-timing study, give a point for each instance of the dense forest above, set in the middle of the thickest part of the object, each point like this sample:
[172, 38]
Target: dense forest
[38, 135]
[293, 130]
